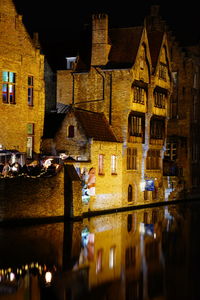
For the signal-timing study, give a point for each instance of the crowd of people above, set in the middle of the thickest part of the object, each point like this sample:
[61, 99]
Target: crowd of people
[29, 169]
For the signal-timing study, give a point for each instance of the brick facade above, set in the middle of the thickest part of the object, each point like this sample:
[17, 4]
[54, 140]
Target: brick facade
[19, 55]
[109, 85]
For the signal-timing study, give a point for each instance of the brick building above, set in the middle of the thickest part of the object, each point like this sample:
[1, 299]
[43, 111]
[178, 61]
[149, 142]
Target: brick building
[85, 139]
[22, 103]
[181, 160]
[126, 74]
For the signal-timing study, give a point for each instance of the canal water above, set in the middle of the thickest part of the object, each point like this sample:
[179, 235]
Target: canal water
[141, 254]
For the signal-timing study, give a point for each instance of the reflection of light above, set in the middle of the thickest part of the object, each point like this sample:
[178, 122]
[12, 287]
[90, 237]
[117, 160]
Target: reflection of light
[12, 276]
[154, 235]
[48, 277]
[112, 258]
[142, 185]
[142, 228]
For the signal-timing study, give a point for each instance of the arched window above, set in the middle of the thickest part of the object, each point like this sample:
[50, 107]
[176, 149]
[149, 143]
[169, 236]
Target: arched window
[130, 193]
[71, 131]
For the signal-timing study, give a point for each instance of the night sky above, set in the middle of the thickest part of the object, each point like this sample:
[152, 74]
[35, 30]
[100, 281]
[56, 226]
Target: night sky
[59, 23]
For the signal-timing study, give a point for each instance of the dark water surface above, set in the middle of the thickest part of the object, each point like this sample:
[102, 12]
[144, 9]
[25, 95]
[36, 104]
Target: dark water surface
[144, 254]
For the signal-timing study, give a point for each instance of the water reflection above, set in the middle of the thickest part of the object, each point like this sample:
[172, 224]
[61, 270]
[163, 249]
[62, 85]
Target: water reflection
[140, 255]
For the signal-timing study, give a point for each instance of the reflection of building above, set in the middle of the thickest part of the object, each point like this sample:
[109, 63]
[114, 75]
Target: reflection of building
[22, 103]
[105, 262]
[141, 254]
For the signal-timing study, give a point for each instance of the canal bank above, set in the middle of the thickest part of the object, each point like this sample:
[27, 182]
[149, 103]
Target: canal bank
[12, 222]
[59, 198]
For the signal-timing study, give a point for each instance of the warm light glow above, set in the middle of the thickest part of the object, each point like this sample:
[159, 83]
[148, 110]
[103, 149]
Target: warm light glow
[47, 162]
[142, 228]
[48, 277]
[12, 276]
[142, 185]
[112, 258]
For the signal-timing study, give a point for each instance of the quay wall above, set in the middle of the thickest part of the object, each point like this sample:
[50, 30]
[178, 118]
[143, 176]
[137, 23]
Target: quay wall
[26, 197]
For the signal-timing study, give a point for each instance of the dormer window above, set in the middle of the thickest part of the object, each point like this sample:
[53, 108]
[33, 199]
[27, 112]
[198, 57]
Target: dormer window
[70, 62]
[70, 131]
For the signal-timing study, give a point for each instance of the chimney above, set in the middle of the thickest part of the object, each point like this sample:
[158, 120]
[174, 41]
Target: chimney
[100, 47]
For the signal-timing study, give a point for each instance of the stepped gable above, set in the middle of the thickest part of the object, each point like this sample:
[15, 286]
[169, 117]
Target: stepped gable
[95, 125]
[124, 46]
[155, 39]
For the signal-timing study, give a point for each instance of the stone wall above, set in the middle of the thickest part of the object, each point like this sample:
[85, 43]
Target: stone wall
[23, 198]
[43, 197]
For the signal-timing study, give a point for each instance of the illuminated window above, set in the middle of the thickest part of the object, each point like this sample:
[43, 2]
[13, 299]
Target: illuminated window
[71, 131]
[8, 87]
[30, 90]
[138, 95]
[30, 140]
[101, 164]
[113, 164]
[159, 100]
[131, 158]
[112, 257]
[171, 151]
[99, 260]
[153, 159]
[157, 129]
[135, 124]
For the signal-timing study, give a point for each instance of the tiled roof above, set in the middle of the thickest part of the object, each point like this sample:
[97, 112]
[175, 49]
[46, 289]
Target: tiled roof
[95, 125]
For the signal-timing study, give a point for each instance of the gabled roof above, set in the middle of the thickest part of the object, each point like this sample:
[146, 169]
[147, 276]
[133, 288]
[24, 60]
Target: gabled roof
[124, 46]
[155, 39]
[94, 125]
